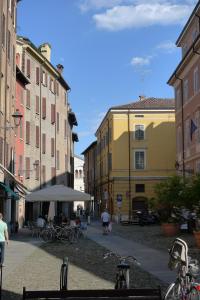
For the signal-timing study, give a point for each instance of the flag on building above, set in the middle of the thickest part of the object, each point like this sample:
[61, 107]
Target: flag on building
[193, 127]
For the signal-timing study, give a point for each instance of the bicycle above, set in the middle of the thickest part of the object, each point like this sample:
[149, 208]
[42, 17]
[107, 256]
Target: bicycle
[64, 274]
[185, 287]
[122, 280]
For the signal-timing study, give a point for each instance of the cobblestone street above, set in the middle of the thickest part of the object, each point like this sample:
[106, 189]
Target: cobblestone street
[39, 267]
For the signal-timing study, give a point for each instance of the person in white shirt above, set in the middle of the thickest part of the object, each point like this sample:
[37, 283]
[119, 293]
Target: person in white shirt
[40, 222]
[105, 217]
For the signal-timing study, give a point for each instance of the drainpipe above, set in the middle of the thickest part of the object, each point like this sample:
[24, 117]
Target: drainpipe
[100, 169]
[109, 172]
[182, 121]
[129, 167]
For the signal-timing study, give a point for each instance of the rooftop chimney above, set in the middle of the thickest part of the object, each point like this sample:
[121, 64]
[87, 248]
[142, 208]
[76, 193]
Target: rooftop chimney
[60, 68]
[45, 50]
[141, 97]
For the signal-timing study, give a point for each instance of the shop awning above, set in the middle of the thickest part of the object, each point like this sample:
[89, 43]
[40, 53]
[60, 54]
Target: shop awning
[57, 193]
[10, 193]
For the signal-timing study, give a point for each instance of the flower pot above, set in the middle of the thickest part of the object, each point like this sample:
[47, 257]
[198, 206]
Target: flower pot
[197, 238]
[170, 229]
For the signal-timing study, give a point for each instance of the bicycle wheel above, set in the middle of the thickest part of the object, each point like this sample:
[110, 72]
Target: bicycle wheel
[173, 292]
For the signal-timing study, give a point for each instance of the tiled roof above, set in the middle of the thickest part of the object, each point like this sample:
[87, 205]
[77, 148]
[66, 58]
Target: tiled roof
[149, 103]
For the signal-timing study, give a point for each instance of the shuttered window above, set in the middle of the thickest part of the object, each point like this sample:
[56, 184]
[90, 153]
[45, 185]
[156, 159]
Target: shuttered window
[37, 170]
[37, 132]
[3, 30]
[9, 48]
[27, 132]
[37, 105]
[57, 122]
[43, 143]
[28, 99]
[28, 164]
[28, 68]
[65, 129]
[43, 108]
[53, 112]
[52, 147]
[37, 76]
[44, 175]
[57, 89]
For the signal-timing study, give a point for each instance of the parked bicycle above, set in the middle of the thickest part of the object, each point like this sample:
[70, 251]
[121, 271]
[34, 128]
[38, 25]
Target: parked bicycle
[185, 286]
[122, 279]
[64, 274]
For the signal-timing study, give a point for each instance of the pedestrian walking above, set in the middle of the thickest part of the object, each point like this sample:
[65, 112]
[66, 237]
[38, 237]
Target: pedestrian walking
[3, 238]
[105, 217]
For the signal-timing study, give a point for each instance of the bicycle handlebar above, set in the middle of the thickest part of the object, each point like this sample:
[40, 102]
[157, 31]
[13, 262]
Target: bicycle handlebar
[122, 258]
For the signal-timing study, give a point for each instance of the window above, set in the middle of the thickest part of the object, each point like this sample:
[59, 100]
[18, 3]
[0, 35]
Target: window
[51, 84]
[57, 122]
[139, 132]
[66, 163]
[65, 98]
[139, 159]
[27, 132]
[65, 129]
[28, 101]
[43, 78]
[185, 91]
[139, 188]
[43, 143]
[37, 75]
[22, 96]
[44, 175]
[53, 112]
[27, 168]
[3, 30]
[28, 68]
[9, 49]
[196, 80]
[52, 147]
[187, 133]
[197, 122]
[76, 173]
[37, 105]
[43, 108]
[194, 34]
[57, 89]
[58, 159]
[80, 173]
[37, 169]
[37, 136]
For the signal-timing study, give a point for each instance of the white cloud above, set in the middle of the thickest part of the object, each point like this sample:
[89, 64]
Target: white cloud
[86, 5]
[140, 61]
[142, 15]
[167, 46]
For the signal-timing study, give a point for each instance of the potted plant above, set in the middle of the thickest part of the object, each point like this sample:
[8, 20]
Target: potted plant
[169, 197]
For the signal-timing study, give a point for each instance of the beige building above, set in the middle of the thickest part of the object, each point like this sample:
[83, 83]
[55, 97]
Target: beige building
[186, 83]
[49, 120]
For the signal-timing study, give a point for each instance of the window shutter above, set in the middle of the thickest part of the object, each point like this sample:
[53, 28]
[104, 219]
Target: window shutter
[37, 169]
[44, 175]
[37, 105]
[57, 122]
[37, 137]
[53, 111]
[27, 132]
[57, 89]
[37, 75]
[52, 147]
[28, 99]
[55, 84]
[46, 78]
[43, 108]
[28, 167]
[43, 143]
[28, 68]
[65, 129]
[58, 159]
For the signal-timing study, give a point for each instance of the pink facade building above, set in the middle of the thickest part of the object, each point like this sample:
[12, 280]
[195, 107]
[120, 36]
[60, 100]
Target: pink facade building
[186, 83]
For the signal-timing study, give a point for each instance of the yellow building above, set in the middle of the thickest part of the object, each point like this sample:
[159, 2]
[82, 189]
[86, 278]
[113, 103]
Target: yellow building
[135, 150]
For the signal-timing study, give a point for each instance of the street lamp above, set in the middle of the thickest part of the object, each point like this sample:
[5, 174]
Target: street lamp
[17, 116]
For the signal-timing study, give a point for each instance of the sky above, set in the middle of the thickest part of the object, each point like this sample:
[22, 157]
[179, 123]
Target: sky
[112, 50]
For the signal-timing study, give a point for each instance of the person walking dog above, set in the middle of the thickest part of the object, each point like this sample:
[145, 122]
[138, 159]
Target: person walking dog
[3, 238]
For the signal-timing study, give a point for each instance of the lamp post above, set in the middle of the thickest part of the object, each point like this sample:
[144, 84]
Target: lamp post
[17, 116]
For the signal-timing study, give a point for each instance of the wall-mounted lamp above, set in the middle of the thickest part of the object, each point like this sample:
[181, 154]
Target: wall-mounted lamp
[17, 116]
